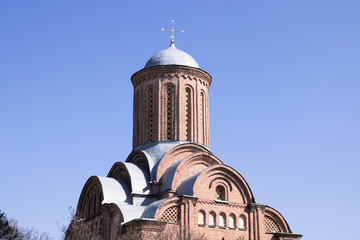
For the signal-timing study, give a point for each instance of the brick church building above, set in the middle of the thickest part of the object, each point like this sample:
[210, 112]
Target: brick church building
[171, 184]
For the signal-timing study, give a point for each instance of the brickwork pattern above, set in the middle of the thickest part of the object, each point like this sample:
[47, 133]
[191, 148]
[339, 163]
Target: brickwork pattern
[171, 215]
[270, 226]
[185, 117]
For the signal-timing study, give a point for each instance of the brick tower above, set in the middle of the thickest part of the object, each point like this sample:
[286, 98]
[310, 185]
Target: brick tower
[171, 186]
[171, 100]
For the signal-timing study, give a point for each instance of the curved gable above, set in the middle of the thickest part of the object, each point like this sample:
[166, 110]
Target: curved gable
[275, 222]
[101, 190]
[204, 185]
[140, 158]
[150, 155]
[185, 167]
[136, 175]
[176, 153]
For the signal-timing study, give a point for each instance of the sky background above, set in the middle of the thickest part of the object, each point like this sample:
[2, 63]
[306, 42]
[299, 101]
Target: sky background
[284, 102]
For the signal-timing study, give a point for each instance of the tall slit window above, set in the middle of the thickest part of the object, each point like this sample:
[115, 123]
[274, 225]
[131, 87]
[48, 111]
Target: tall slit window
[188, 113]
[169, 112]
[151, 114]
[202, 118]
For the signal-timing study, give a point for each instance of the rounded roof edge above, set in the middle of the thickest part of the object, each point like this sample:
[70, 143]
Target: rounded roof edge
[171, 56]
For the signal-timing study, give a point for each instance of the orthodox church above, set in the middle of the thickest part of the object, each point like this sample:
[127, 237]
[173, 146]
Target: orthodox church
[171, 184]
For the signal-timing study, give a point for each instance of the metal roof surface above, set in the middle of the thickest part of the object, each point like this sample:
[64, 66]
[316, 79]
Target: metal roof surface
[186, 187]
[150, 210]
[172, 56]
[114, 190]
[139, 178]
[155, 152]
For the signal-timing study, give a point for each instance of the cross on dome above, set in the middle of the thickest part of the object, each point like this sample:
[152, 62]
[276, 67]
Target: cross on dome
[172, 30]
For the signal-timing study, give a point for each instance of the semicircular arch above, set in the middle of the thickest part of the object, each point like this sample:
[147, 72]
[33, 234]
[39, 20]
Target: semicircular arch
[237, 187]
[198, 162]
[176, 153]
[91, 187]
[277, 218]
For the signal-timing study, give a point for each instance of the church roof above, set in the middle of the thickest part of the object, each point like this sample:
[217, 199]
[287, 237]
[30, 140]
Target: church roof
[171, 56]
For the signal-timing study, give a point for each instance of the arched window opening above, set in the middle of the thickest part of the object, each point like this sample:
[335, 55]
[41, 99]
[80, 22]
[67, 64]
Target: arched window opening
[202, 118]
[242, 222]
[232, 221]
[151, 114]
[212, 217]
[201, 218]
[169, 112]
[188, 113]
[222, 220]
[220, 193]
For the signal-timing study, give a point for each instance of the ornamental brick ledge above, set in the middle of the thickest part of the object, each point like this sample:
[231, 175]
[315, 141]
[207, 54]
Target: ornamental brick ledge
[170, 71]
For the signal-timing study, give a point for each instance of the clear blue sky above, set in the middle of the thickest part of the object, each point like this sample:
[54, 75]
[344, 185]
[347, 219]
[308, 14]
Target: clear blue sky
[284, 103]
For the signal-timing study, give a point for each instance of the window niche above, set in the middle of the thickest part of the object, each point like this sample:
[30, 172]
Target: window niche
[232, 221]
[212, 219]
[222, 220]
[242, 222]
[201, 218]
[220, 193]
[188, 113]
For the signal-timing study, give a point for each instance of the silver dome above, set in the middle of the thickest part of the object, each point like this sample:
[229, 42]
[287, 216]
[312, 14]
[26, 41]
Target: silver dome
[171, 56]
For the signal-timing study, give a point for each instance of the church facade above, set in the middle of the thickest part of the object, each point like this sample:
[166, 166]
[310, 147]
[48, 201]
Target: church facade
[172, 186]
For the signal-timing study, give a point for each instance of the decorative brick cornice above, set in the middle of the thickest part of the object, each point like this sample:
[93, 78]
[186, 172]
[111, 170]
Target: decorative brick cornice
[221, 204]
[170, 71]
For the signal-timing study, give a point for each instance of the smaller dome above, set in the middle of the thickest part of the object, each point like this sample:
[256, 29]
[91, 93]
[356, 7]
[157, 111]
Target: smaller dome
[171, 56]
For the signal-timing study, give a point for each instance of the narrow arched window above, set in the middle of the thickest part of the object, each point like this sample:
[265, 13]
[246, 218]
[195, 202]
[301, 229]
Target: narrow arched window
[232, 221]
[169, 112]
[201, 218]
[188, 103]
[242, 222]
[151, 114]
[222, 220]
[202, 118]
[220, 193]
[212, 217]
